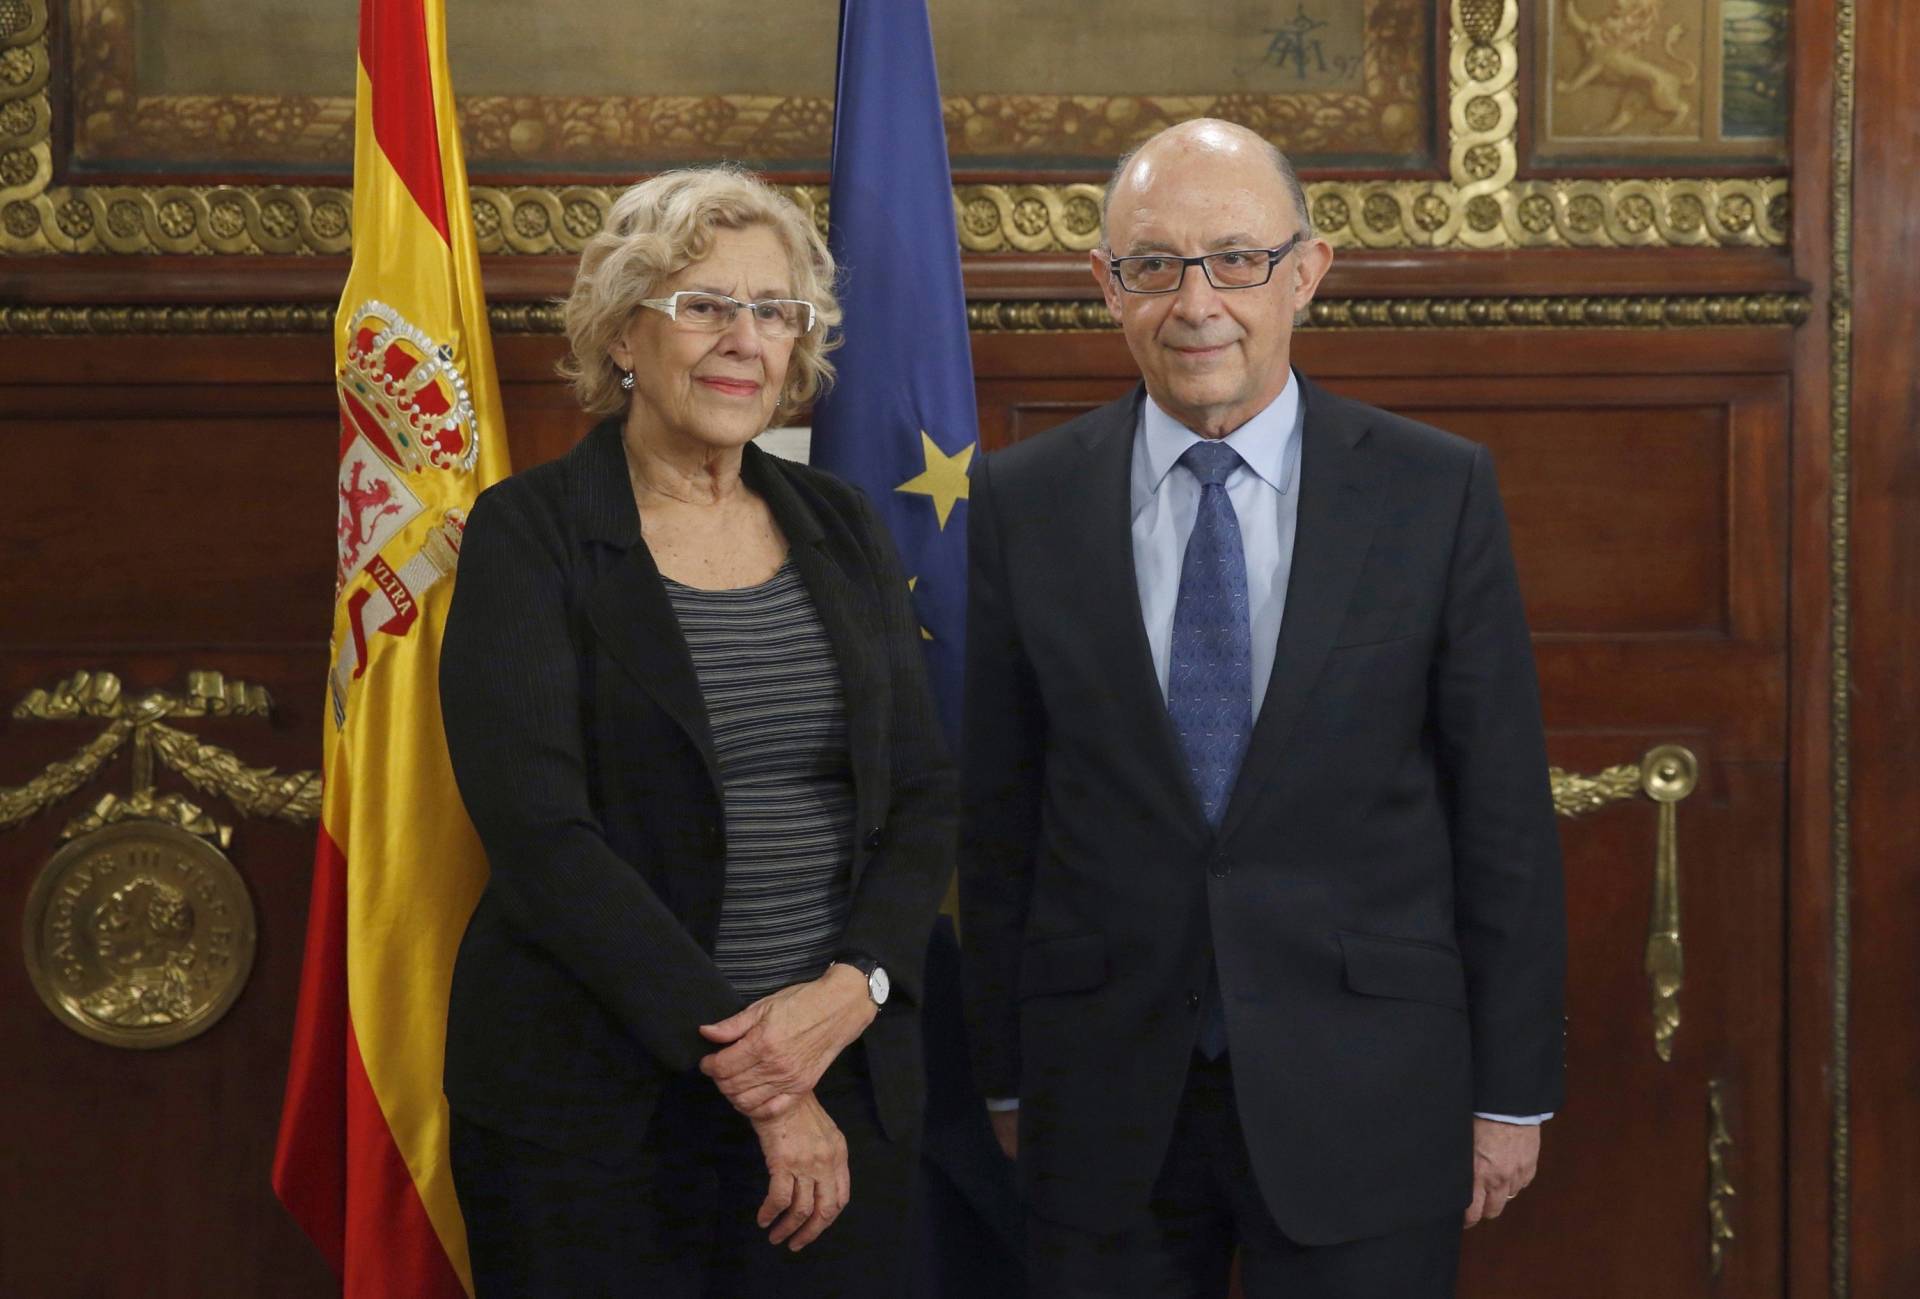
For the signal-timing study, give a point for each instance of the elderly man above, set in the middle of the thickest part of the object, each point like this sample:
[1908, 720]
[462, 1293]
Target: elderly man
[1260, 883]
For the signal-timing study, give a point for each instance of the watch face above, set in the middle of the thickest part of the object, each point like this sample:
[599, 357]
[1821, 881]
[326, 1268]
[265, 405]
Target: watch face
[878, 985]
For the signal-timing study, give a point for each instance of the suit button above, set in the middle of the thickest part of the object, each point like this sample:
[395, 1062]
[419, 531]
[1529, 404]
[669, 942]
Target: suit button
[1193, 1000]
[1217, 866]
[873, 839]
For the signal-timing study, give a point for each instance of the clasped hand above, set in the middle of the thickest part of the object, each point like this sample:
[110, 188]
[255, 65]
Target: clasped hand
[776, 1049]
[807, 1179]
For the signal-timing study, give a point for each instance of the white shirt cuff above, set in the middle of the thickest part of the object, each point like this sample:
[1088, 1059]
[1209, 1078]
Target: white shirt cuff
[1002, 1104]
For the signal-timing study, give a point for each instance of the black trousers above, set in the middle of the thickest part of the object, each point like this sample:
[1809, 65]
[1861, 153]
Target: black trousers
[1204, 1204]
[677, 1222]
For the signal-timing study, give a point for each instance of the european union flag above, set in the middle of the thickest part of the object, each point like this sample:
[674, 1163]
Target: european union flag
[900, 421]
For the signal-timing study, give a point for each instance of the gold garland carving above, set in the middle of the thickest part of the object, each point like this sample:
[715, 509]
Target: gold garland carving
[1720, 1192]
[254, 791]
[1576, 795]
[998, 317]
[1478, 206]
[61, 779]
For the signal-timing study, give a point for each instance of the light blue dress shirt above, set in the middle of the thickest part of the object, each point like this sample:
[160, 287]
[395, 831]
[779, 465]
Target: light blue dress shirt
[1266, 502]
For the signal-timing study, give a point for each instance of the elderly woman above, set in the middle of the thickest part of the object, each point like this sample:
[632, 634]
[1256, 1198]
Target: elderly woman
[685, 704]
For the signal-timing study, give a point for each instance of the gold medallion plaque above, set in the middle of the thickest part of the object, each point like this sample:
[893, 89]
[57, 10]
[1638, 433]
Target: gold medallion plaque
[139, 935]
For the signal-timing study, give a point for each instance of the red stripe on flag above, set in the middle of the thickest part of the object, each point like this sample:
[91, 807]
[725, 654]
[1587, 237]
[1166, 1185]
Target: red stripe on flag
[310, 1162]
[337, 1169]
[393, 49]
[392, 1248]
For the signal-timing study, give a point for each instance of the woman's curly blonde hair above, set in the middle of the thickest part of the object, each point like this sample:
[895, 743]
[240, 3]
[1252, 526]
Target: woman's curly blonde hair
[664, 225]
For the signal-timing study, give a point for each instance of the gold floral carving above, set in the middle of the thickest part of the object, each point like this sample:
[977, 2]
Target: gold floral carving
[254, 791]
[1480, 203]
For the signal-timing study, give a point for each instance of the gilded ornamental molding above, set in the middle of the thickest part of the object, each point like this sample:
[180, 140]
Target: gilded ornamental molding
[995, 317]
[1479, 205]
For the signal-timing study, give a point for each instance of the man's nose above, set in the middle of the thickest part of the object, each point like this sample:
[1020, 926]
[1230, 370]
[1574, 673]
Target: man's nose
[1196, 298]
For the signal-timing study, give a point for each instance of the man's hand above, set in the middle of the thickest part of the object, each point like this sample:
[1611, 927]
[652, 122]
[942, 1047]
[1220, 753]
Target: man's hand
[807, 1179]
[1006, 1130]
[1505, 1158]
[782, 1043]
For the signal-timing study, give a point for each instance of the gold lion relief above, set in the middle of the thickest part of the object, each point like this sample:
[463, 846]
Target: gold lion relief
[1618, 50]
[1678, 79]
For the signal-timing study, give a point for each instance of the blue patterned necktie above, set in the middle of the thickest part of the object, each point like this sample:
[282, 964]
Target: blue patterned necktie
[1210, 676]
[1210, 672]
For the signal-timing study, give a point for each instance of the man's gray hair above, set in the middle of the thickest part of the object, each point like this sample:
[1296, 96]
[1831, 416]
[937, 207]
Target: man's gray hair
[1281, 163]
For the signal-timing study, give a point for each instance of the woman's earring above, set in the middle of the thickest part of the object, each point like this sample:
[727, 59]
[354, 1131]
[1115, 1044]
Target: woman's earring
[626, 380]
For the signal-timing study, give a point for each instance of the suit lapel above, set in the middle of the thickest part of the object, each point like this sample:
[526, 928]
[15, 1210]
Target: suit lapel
[1113, 596]
[1339, 505]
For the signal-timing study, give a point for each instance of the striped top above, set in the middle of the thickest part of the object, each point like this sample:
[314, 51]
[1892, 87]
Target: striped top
[777, 709]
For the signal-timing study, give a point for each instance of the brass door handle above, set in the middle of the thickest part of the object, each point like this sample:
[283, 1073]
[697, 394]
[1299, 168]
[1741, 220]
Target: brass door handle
[1667, 774]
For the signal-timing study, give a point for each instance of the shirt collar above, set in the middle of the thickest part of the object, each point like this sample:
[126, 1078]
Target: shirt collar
[1263, 441]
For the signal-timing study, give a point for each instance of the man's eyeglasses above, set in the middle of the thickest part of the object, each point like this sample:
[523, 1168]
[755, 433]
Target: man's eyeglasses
[1236, 268]
[713, 313]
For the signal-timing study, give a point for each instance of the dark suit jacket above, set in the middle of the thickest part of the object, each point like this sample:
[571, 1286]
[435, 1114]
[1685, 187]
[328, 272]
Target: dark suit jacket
[1383, 898]
[582, 750]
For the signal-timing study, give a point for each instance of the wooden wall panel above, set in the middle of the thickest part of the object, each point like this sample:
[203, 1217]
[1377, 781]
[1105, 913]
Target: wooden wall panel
[165, 505]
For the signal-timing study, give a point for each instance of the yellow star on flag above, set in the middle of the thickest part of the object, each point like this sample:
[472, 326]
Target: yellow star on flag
[944, 479]
[924, 633]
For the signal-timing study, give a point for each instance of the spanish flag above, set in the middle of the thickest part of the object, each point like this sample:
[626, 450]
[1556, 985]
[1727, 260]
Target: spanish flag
[362, 1157]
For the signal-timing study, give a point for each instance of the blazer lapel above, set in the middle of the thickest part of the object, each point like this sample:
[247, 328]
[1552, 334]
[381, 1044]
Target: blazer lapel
[1113, 595]
[1339, 505]
[628, 606]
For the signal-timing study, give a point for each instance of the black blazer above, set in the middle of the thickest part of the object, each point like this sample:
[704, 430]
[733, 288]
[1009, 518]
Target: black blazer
[581, 746]
[1383, 898]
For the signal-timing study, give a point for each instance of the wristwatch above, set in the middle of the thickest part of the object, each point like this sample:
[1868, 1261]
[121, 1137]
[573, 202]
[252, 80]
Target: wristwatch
[878, 985]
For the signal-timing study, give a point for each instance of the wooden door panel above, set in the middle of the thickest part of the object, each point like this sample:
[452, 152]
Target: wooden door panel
[1621, 1206]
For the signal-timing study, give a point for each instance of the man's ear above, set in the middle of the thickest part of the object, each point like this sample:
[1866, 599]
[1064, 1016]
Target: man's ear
[1310, 265]
[1109, 285]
